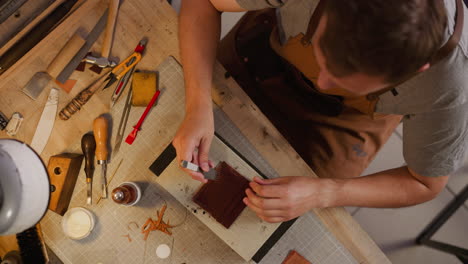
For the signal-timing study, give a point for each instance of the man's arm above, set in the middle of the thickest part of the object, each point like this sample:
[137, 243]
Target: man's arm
[199, 31]
[391, 188]
[285, 198]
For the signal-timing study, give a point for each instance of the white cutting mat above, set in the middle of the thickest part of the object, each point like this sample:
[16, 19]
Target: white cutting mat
[192, 241]
[248, 233]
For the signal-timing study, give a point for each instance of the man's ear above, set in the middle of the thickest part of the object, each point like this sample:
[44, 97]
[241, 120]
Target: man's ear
[424, 67]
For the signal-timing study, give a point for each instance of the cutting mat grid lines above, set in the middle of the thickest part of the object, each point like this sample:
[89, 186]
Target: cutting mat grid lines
[312, 240]
[106, 244]
[192, 241]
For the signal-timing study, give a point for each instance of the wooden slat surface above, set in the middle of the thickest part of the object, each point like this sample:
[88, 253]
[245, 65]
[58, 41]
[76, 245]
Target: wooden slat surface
[22, 17]
[7, 244]
[158, 21]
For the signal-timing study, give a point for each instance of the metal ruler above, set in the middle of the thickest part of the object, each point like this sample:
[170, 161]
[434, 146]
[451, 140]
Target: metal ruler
[8, 7]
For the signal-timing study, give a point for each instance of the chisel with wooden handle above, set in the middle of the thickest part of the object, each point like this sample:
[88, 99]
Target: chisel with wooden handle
[100, 128]
[88, 146]
[103, 82]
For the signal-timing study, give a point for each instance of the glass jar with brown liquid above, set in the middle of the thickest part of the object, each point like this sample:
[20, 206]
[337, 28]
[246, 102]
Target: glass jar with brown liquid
[127, 193]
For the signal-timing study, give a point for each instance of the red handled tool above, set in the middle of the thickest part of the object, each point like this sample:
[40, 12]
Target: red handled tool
[123, 82]
[131, 137]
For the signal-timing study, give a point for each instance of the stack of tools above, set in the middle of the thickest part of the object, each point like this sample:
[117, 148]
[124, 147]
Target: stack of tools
[123, 83]
[119, 89]
[102, 83]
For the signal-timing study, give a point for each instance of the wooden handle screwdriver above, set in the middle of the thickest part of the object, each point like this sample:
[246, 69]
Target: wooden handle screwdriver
[88, 146]
[100, 128]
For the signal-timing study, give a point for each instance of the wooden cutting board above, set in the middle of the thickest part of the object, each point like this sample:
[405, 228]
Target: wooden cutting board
[248, 233]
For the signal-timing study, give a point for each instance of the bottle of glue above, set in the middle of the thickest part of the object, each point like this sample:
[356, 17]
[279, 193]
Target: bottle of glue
[127, 193]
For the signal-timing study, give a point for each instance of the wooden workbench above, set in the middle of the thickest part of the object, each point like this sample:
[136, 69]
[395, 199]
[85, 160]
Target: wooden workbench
[158, 21]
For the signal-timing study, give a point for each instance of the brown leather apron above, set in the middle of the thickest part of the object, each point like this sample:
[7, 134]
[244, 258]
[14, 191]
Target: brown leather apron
[336, 132]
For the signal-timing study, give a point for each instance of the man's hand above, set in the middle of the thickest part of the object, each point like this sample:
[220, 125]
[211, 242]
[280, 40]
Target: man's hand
[282, 199]
[199, 31]
[193, 140]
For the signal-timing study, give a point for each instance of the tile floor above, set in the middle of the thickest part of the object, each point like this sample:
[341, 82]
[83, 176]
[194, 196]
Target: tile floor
[394, 230]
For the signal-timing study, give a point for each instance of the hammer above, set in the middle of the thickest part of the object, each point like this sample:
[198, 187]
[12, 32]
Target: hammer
[104, 61]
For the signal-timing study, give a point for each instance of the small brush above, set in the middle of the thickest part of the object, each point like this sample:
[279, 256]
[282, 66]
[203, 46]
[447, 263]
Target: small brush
[131, 137]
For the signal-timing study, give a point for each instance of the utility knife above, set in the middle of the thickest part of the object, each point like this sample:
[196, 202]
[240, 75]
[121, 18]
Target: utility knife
[209, 175]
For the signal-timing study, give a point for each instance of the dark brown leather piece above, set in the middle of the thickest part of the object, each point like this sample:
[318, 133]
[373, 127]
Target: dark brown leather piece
[222, 198]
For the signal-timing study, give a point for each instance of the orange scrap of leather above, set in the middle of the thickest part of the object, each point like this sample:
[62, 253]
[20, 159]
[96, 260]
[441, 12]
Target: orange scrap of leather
[295, 258]
[151, 225]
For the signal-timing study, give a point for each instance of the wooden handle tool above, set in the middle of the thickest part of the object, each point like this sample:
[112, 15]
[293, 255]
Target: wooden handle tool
[88, 146]
[110, 27]
[100, 128]
[82, 98]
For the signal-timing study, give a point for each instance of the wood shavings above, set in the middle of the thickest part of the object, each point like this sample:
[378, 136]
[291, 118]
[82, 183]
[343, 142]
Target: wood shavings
[129, 227]
[159, 224]
[129, 238]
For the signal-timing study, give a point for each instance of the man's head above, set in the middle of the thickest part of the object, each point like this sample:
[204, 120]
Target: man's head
[364, 46]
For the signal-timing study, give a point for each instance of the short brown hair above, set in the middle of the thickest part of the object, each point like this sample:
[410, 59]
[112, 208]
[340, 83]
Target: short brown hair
[391, 38]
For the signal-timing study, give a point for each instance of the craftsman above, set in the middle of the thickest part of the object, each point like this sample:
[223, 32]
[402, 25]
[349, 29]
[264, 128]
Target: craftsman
[336, 78]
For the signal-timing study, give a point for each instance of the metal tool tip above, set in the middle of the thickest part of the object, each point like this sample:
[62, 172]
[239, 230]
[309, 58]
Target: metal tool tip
[143, 41]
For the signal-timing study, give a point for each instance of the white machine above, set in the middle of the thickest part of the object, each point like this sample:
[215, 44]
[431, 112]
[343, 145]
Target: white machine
[24, 187]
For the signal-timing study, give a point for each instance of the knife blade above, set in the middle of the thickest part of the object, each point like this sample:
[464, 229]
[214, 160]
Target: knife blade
[46, 122]
[209, 175]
